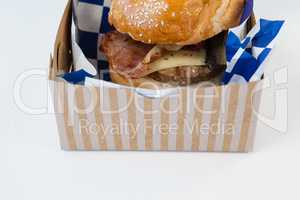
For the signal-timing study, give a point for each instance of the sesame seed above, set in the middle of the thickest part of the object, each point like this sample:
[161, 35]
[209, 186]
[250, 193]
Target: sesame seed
[145, 13]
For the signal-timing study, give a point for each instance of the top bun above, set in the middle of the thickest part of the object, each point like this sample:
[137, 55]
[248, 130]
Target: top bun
[174, 22]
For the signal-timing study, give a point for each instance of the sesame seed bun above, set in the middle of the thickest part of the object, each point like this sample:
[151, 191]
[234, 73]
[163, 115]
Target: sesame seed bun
[176, 22]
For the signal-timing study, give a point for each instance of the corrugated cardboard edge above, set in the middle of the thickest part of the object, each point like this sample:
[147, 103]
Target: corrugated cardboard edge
[61, 60]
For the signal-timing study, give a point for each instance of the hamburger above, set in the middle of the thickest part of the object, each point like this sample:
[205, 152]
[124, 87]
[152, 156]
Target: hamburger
[168, 43]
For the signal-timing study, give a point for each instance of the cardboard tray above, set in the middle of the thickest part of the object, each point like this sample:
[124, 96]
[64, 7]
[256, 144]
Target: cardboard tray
[213, 119]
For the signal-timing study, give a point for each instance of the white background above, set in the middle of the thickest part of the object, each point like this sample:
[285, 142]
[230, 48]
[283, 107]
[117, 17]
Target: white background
[32, 166]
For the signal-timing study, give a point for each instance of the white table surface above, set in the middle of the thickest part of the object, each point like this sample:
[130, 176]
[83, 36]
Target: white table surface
[32, 166]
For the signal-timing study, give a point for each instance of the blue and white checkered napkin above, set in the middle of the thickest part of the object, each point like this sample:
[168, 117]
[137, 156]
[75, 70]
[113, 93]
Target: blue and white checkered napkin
[245, 53]
[90, 18]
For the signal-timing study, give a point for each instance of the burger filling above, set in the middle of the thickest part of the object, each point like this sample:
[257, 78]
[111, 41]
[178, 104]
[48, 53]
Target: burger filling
[179, 65]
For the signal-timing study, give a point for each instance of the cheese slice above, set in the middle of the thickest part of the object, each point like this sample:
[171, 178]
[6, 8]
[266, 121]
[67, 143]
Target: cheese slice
[177, 59]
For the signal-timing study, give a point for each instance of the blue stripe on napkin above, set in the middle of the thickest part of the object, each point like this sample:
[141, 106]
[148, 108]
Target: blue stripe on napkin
[76, 77]
[268, 31]
[248, 9]
[96, 2]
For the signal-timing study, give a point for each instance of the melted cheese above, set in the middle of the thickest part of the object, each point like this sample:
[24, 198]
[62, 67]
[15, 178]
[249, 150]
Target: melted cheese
[177, 59]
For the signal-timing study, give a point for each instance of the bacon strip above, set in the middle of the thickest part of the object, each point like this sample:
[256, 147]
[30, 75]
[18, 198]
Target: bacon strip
[124, 54]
